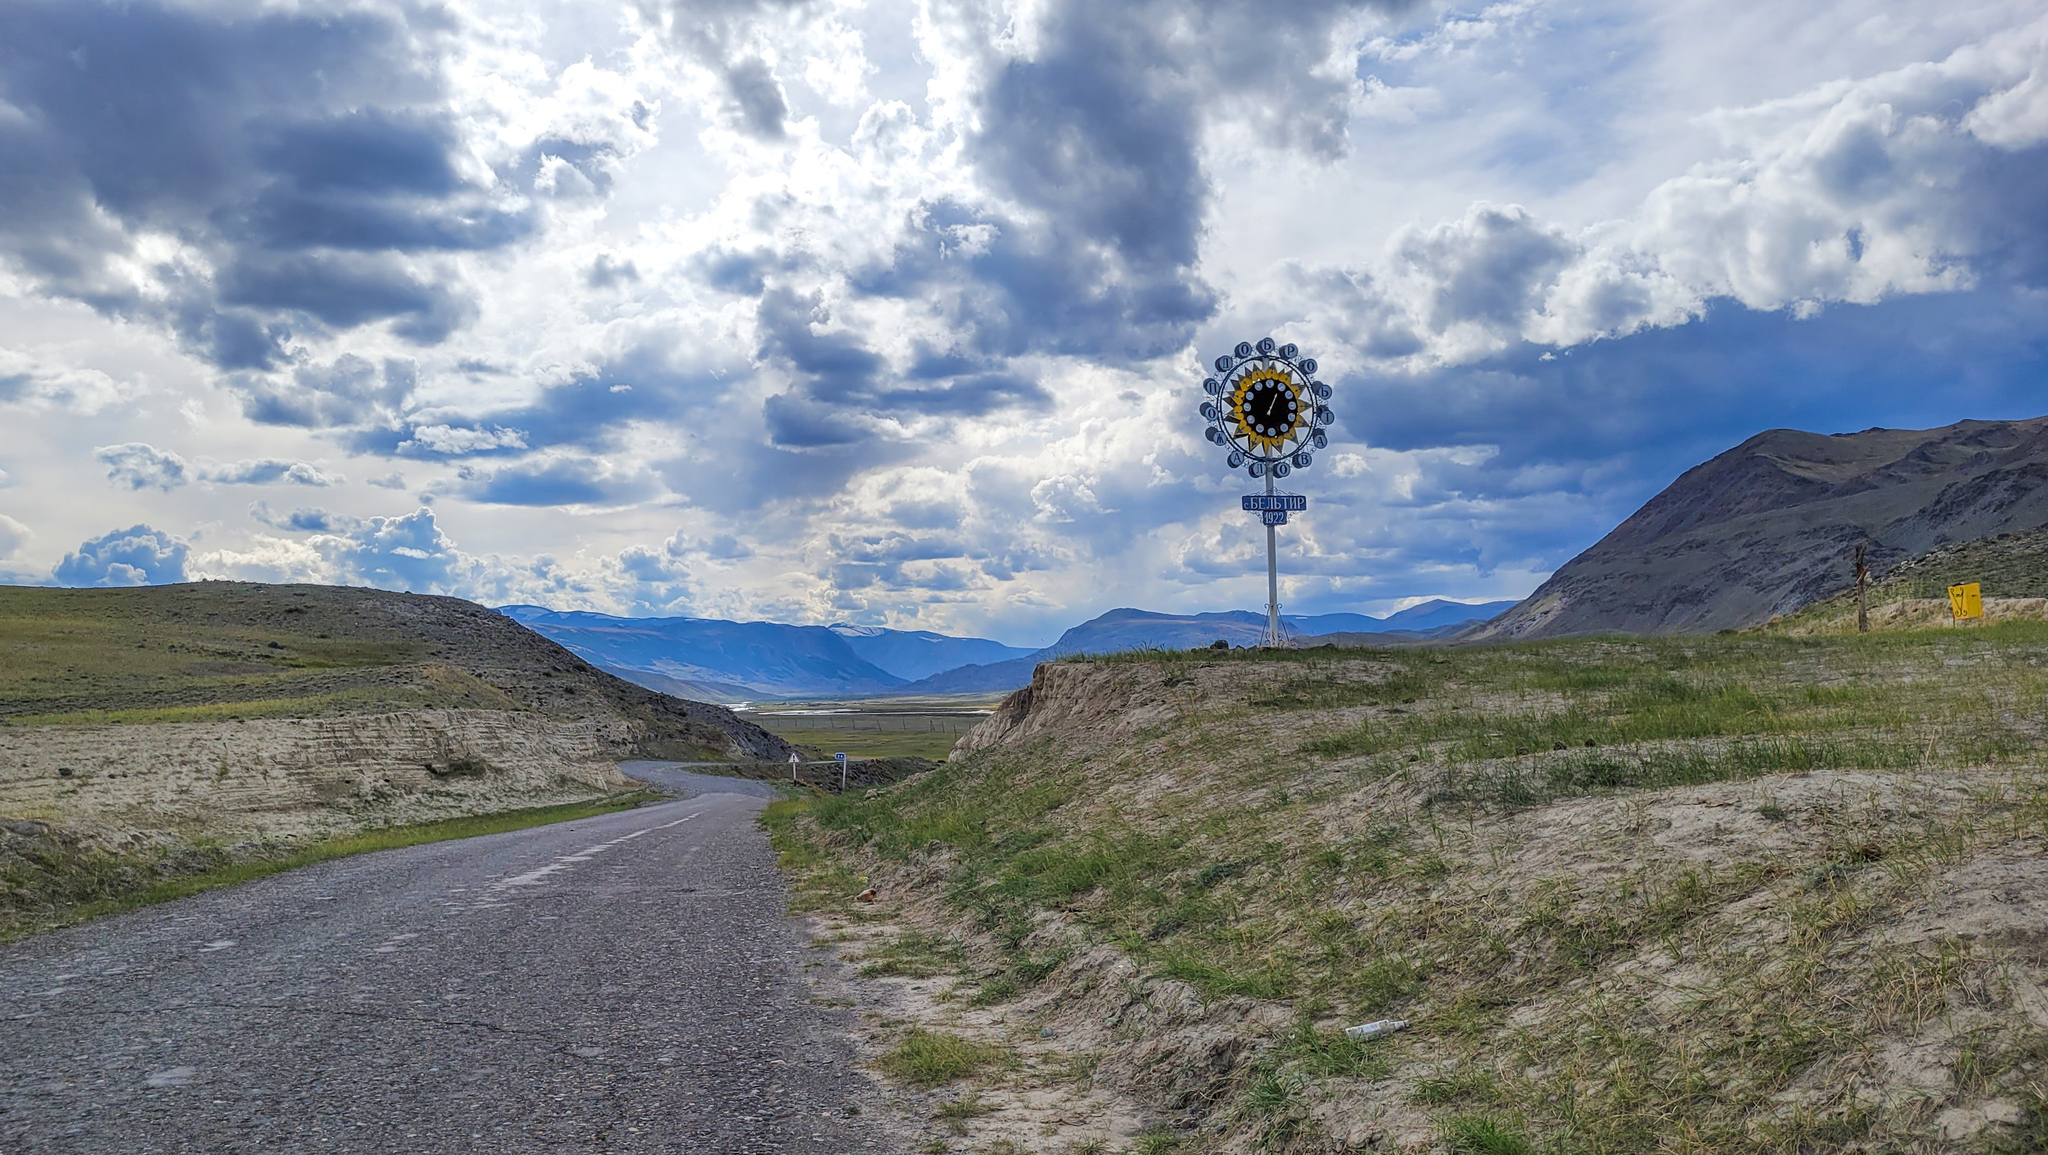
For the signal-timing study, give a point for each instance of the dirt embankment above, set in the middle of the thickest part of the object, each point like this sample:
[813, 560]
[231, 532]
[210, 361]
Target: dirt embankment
[1713, 895]
[269, 779]
[145, 730]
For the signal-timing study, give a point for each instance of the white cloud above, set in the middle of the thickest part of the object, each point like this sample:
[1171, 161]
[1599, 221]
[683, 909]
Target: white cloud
[13, 535]
[139, 465]
[454, 441]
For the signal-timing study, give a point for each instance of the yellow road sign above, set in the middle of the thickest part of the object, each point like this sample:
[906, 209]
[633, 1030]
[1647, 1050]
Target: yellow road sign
[1966, 601]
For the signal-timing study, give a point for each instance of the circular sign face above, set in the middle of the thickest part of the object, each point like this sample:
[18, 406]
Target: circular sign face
[1265, 409]
[1269, 407]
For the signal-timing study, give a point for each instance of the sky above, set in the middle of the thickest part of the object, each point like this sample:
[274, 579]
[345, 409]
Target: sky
[896, 312]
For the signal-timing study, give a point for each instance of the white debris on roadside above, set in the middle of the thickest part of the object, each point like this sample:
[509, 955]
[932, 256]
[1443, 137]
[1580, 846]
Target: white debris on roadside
[1374, 1030]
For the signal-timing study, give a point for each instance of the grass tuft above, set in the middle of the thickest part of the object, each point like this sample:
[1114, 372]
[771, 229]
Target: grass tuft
[934, 1058]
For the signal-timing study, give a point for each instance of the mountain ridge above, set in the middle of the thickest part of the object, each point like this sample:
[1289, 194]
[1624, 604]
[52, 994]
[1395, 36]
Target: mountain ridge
[732, 662]
[1771, 525]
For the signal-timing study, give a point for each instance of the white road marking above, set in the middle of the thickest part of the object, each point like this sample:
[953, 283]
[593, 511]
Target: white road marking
[540, 874]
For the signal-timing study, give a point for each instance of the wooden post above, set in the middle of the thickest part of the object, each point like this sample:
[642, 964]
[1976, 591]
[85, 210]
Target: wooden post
[1862, 593]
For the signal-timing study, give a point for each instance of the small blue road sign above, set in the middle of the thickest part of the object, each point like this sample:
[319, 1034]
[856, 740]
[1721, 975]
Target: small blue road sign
[1261, 502]
[1273, 516]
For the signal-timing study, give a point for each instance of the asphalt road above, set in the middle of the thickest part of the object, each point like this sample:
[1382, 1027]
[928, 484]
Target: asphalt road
[621, 984]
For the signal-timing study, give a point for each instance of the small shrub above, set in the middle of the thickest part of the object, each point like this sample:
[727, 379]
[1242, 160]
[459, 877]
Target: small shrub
[466, 766]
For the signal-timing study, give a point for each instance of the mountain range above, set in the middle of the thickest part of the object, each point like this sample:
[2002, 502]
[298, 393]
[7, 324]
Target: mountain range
[1772, 525]
[720, 661]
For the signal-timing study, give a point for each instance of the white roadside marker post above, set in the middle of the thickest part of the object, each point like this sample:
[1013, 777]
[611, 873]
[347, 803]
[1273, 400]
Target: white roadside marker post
[841, 759]
[794, 762]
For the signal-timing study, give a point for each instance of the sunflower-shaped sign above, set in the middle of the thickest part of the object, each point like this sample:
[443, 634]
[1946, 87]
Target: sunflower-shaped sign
[1268, 408]
[1266, 405]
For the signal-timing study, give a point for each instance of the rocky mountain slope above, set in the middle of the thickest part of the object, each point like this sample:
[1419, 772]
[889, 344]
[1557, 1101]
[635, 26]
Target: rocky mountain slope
[1770, 526]
[914, 654]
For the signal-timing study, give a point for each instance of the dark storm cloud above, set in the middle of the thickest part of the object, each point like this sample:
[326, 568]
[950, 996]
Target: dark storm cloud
[306, 156]
[1089, 240]
[586, 411]
[840, 385]
[757, 97]
[344, 290]
[1096, 137]
[1613, 422]
[349, 390]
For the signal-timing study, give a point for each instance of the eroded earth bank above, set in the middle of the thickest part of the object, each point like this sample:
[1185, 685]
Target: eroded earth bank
[149, 733]
[1730, 894]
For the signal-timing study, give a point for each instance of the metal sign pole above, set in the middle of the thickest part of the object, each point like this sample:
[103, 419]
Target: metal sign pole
[1273, 635]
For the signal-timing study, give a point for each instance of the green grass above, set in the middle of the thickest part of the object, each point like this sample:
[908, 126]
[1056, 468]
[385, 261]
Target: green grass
[934, 1058]
[62, 890]
[1486, 1135]
[1336, 829]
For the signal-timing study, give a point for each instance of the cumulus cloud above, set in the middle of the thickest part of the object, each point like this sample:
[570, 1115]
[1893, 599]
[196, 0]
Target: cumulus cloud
[1917, 180]
[304, 520]
[409, 553]
[554, 479]
[13, 535]
[271, 471]
[452, 440]
[139, 465]
[33, 382]
[175, 167]
[134, 556]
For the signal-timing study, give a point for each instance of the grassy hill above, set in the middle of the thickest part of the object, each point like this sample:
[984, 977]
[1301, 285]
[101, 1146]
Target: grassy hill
[1719, 894]
[215, 650]
[158, 740]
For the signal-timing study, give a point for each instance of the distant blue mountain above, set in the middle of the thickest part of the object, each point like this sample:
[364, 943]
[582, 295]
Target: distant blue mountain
[1128, 629]
[914, 654]
[720, 661]
[1431, 615]
[764, 658]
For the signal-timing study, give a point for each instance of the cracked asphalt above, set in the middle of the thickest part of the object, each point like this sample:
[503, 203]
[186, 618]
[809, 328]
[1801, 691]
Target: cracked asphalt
[623, 984]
